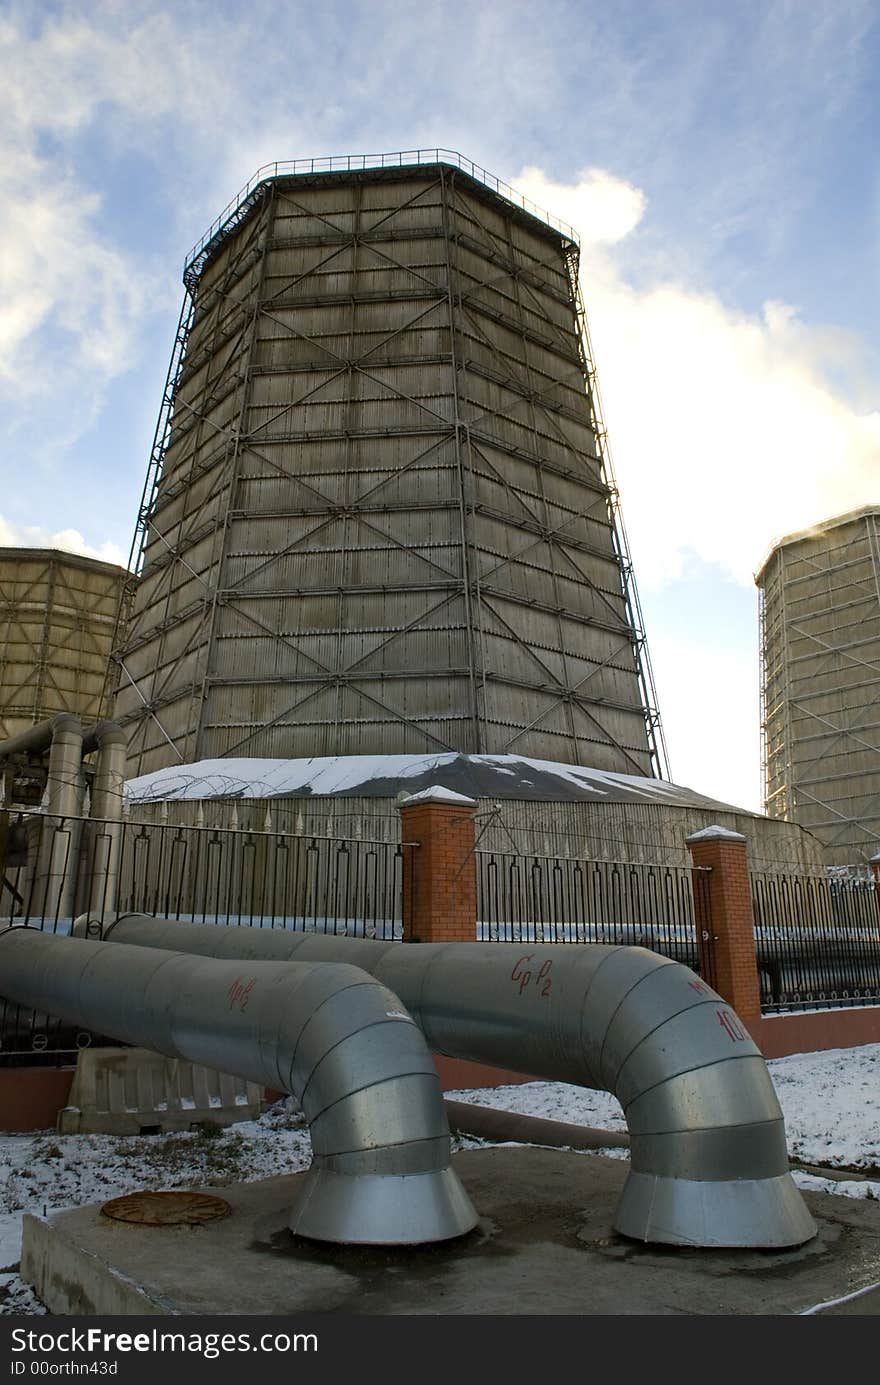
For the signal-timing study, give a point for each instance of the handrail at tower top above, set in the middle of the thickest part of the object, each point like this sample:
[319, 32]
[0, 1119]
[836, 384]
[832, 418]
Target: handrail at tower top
[359, 163]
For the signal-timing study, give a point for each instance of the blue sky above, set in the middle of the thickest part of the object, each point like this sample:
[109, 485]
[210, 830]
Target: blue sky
[719, 160]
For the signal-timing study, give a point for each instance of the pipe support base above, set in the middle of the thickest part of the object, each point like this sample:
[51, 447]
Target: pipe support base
[382, 1209]
[761, 1212]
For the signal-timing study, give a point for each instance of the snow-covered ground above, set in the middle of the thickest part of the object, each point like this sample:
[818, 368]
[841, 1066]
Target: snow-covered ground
[831, 1103]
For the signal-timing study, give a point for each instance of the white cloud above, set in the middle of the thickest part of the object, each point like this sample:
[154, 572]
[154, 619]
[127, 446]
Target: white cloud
[68, 540]
[71, 301]
[602, 208]
[58, 273]
[727, 429]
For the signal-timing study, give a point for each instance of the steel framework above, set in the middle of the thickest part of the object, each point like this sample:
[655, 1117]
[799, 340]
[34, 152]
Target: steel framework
[820, 683]
[60, 616]
[379, 514]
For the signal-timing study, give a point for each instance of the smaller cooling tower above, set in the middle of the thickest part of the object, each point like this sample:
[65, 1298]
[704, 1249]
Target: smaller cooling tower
[60, 615]
[820, 682]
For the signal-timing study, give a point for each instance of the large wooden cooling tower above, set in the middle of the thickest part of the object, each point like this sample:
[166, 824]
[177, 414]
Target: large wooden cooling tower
[378, 518]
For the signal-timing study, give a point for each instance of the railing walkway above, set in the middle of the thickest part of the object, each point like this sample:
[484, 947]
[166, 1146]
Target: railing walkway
[235, 211]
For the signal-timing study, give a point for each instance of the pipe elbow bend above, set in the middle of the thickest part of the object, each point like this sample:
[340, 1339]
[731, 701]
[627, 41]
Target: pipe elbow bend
[709, 1163]
[361, 1070]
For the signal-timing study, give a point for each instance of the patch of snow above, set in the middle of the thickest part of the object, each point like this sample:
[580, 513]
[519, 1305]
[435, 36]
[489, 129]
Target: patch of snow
[437, 794]
[273, 778]
[715, 833]
[326, 775]
[47, 1173]
[842, 1187]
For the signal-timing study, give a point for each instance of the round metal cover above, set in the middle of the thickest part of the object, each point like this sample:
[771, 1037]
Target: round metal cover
[167, 1209]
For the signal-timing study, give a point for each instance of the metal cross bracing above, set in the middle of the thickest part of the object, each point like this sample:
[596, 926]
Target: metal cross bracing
[381, 515]
[242, 204]
[654, 724]
[821, 683]
[58, 614]
[181, 482]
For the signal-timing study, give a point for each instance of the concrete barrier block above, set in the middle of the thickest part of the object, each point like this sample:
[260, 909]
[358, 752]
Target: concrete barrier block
[127, 1091]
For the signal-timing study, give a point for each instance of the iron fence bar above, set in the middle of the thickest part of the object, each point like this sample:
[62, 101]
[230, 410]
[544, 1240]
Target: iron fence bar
[572, 899]
[817, 939]
[234, 875]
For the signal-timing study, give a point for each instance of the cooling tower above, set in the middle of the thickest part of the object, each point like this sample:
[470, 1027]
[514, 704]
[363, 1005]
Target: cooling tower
[820, 682]
[60, 616]
[378, 518]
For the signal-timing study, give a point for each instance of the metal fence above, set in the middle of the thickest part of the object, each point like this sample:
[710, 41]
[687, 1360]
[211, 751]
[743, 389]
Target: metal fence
[53, 869]
[817, 937]
[568, 900]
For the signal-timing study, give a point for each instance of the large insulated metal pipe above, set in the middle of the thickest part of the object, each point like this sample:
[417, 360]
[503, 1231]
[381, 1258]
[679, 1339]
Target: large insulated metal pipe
[35, 738]
[335, 1038]
[55, 884]
[709, 1164]
[64, 776]
[105, 833]
[39, 737]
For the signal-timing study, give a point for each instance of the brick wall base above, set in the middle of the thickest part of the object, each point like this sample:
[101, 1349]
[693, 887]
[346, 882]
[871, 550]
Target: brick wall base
[456, 1074]
[777, 1036]
[30, 1098]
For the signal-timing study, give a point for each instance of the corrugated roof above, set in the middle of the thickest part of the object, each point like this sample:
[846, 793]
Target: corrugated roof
[384, 776]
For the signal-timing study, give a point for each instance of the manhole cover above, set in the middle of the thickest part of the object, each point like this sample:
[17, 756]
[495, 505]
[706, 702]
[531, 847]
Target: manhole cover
[167, 1209]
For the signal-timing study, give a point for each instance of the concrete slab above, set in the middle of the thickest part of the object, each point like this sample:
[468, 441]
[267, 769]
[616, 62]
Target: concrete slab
[544, 1246]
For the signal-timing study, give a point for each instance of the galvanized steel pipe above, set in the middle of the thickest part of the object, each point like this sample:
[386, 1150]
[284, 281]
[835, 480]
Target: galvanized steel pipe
[105, 833]
[709, 1164]
[39, 737]
[335, 1038]
[35, 739]
[55, 882]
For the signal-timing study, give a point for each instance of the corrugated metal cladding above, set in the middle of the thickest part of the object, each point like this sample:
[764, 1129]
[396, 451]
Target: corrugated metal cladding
[382, 523]
[632, 832]
[60, 616]
[820, 685]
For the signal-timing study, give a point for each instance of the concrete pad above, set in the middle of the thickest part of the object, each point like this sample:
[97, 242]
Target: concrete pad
[544, 1246]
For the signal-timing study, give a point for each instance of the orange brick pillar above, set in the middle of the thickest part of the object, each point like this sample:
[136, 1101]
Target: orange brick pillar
[725, 923]
[439, 870]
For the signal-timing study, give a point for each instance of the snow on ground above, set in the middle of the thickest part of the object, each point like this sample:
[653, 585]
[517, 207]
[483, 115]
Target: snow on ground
[47, 1172]
[830, 1101]
[831, 1104]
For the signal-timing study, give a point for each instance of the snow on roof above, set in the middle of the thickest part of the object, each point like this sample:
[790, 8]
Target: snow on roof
[437, 794]
[715, 834]
[384, 776]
